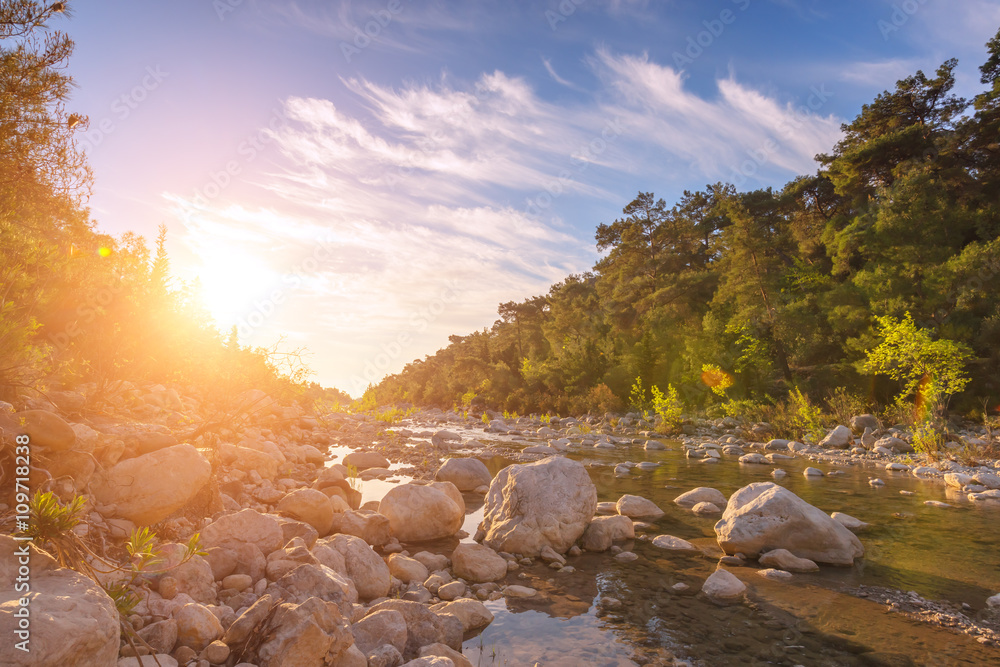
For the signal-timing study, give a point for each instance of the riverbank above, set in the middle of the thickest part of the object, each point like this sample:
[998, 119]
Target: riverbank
[363, 516]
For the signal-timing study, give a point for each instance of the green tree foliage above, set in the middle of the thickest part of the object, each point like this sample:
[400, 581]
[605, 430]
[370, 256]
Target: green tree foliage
[782, 292]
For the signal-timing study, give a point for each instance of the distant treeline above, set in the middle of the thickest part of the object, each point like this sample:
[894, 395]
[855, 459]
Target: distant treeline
[771, 289]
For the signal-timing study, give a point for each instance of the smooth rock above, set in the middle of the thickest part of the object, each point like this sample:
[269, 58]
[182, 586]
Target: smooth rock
[312, 633]
[637, 507]
[383, 627]
[848, 521]
[605, 530]
[409, 570]
[723, 585]
[706, 509]
[308, 505]
[419, 513]
[151, 487]
[478, 563]
[466, 474]
[765, 515]
[46, 429]
[244, 527]
[783, 559]
[701, 494]
[671, 543]
[365, 460]
[73, 621]
[839, 438]
[197, 627]
[548, 502]
[472, 613]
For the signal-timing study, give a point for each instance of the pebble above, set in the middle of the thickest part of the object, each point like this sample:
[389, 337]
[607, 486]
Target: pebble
[876, 482]
[812, 472]
[936, 503]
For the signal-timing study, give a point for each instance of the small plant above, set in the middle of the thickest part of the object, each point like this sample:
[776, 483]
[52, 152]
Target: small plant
[668, 406]
[843, 405]
[807, 419]
[744, 408]
[486, 419]
[49, 520]
[352, 477]
[928, 439]
[637, 396]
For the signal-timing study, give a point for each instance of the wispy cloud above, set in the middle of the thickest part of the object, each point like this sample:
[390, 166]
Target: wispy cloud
[422, 193]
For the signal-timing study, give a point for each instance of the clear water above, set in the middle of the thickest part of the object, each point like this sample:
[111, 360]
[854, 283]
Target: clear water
[940, 553]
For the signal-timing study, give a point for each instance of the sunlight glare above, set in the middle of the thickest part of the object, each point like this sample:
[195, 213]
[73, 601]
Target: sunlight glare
[232, 282]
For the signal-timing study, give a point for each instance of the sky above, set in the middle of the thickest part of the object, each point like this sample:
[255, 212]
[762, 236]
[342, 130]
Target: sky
[367, 178]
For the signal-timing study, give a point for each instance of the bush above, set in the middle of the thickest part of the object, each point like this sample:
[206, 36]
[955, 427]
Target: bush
[668, 407]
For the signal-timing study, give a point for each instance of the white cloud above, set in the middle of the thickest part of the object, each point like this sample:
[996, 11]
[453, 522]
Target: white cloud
[404, 222]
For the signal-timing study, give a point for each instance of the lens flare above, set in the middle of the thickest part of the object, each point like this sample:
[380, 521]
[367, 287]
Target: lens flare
[104, 251]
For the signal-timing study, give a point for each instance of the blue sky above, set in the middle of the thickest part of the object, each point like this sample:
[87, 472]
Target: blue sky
[367, 178]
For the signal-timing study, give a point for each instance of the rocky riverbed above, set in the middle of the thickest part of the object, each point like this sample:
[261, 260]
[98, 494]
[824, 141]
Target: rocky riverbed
[448, 539]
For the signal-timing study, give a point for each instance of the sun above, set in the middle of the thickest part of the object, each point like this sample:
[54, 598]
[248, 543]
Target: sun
[234, 285]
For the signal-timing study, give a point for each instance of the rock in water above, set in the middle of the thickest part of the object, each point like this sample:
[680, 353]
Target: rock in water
[478, 563]
[723, 585]
[545, 503]
[764, 516]
[604, 530]
[419, 513]
[466, 474]
[151, 487]
[637, 507]
[73, 622]
[702, 494]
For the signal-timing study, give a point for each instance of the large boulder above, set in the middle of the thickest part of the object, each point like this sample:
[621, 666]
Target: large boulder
[365, 568]
[764, 516]
[309, 505]
[312, 633]
[418, 513]
[73, 621]
[466, 474]
[47, 429]
[244, 527]
[423, 626]
[477, 563]
[604, 530]
[839, 438]
[534, 505]
[151, 487]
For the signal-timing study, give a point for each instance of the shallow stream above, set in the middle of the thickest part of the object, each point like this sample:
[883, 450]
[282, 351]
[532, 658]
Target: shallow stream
[813, 619]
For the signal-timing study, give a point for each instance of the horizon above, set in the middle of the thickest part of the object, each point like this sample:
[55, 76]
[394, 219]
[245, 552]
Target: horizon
[317, 183]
